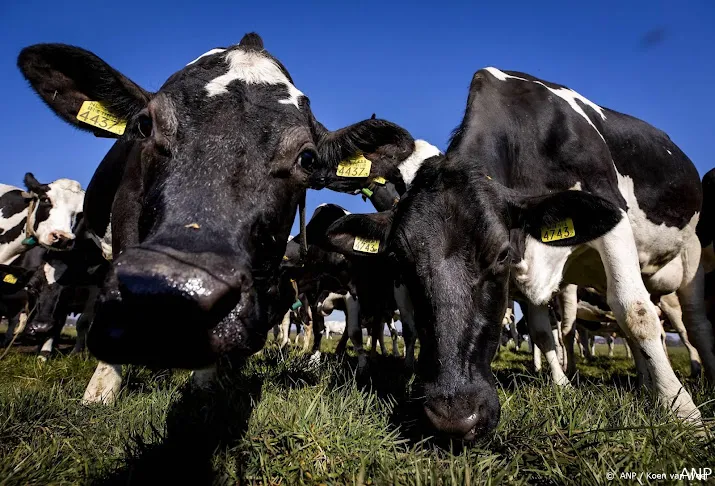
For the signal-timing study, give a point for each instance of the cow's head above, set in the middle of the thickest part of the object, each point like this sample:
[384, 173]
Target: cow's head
[202, 186]
[57, 207]
[450, 238]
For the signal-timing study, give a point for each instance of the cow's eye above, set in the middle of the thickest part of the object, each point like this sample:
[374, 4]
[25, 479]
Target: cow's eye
[44, 199]
[306, 159]
[144, 125]
[503, 256]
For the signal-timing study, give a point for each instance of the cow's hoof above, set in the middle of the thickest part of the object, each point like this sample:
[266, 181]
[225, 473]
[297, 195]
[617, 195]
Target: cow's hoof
[314, 359]
[695, 370]
[43, 357]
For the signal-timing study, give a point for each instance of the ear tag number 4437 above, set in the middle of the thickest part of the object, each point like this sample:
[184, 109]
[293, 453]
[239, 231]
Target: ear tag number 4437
[366, 245]
[357, 166]
[96, 114]
[559, 231]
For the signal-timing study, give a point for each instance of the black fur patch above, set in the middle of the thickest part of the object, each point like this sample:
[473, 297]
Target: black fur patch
[12, 203]
[11, 234]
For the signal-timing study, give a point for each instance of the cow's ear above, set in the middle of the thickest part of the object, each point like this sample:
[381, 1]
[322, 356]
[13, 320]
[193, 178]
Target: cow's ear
[33, 185]
[566, 218]
[67, 76]
[360, 234]
[371, 136]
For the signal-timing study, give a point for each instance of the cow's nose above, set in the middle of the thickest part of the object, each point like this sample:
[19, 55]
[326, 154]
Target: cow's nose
[464, 417]
[201, 282]
[60, 238]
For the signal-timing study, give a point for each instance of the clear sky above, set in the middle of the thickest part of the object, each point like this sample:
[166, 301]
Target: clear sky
[408, 62]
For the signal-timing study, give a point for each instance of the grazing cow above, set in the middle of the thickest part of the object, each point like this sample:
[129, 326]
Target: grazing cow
[202, 187]
[334, 327]
[539, 187]
[45, 216]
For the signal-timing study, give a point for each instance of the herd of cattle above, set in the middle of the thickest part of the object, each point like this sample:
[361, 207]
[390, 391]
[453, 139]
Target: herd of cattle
[179, 252]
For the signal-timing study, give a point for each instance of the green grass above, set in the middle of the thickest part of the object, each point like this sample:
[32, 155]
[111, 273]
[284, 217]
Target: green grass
[276, 420]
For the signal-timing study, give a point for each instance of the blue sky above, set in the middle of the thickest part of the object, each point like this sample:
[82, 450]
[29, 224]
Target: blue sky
[409, 62]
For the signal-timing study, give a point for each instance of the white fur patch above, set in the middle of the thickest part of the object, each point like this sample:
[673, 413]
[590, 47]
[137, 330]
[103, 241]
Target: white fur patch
[53, 272]
[253, 68]
[652, 240]
[209, 53]
[568, 95]
[540, 272]
[423, 151]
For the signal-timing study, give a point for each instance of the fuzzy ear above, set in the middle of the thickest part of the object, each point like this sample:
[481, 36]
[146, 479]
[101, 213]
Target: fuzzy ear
[370, 230]
[33, 185]
[366, 137]
[251, 40]
[66, 76]
[565, 219]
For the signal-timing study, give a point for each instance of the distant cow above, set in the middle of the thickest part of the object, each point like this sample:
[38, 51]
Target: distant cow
[539, 187]
[45, 215]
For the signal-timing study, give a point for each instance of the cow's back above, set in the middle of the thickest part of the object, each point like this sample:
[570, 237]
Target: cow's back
[665, 182]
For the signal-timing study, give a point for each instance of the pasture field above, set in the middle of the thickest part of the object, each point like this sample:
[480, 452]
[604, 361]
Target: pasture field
[277, 420]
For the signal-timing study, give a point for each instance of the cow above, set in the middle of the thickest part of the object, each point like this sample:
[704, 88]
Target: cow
[202, 187]
[70, 283]
[394, 157]
[19, 287]
[45, 215]
[539, 187]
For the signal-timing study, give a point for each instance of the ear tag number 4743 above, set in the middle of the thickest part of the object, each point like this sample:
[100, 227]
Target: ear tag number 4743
[366, 245]
[559, 231]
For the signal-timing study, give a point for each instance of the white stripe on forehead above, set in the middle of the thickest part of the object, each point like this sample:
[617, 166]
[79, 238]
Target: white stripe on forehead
[253, 68]
[568, 95]
[212, 51]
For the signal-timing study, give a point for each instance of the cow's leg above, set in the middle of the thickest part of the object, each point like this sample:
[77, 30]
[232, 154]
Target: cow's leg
[629, 354]
[318, 330]
[540, 328]
[14, 327]
[558, 343]
[569, 305]
[104, 385]
[355, 331]
[592, 344]
[611, 345]
[535, 353]
[307, 330]
[691, 297]
[284, 330]
[671, 308]
[409, 329]
[380, 335]
[584, 337]
[636, 315]
[82, 326]
[394, 335]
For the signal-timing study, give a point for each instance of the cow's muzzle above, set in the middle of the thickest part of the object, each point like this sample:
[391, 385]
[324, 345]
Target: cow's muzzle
[466, 414]
[162, 307]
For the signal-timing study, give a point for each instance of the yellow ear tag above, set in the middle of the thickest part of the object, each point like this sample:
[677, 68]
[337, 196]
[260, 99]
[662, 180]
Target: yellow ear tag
[96, 114]
[380, 180]
[10, 278]
[285, 258]
[366, 245]
[357, 166]
[559, 231]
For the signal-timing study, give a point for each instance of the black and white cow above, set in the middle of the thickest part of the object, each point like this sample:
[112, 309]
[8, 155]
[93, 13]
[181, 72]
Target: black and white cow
[70, 283]
[45, 214]
[539, 187]
[202, 187]
[20, 284]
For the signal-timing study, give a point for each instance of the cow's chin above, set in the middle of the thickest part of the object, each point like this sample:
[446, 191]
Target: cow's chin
[162, 336]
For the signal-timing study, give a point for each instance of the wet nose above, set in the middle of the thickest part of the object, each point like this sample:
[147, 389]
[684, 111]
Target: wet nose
[170, 308]
[464, 417]
[60, 238]
[204, 282]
